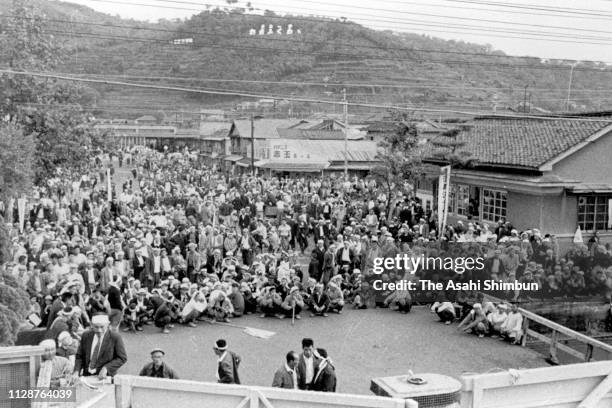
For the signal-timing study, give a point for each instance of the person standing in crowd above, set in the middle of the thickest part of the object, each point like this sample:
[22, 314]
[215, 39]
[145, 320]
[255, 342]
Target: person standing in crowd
[158, 367]
[101, 351]
[307, 365]
[325, 378]
[227, 363]
[286, 376]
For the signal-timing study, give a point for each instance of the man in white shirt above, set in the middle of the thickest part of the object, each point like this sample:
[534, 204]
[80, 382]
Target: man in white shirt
[306, 366]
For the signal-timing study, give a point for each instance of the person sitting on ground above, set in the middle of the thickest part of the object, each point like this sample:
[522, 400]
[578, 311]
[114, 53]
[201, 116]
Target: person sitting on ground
[319, 302]
[293, 303]
[497, 319]
[336, 298]
[399, 300]
[445, 311]
[512, 328]
[269, 302]
[475, 322]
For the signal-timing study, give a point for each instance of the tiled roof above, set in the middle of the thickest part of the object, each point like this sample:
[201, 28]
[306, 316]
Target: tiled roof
[264, 128]
[523, 142]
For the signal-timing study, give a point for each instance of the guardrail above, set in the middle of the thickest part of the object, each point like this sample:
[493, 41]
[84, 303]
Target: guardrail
[147, 392]
[554, 340]
[569, 386]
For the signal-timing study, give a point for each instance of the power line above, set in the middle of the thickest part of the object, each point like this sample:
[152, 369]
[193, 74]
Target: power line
[284, 40]
[311, 53]
[418, 22]
[413, 13]
[323, 84]
[305, 100]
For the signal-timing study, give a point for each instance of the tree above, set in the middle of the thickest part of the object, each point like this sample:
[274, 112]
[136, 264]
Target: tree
[14, 306]
[449, 149]
[61, 137]
[16, 155]
[401, 158]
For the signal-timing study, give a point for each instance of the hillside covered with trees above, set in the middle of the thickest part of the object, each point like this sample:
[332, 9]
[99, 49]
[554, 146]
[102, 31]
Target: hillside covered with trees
[414, 70]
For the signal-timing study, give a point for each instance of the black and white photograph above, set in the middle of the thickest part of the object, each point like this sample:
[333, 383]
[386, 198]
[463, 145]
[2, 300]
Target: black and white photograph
[305, 204]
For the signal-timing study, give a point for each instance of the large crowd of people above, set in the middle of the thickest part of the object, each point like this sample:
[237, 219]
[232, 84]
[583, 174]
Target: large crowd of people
[179, 242]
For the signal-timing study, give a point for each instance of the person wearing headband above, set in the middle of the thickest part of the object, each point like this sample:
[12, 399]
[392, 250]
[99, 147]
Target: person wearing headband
[101, 351]
[227, 363]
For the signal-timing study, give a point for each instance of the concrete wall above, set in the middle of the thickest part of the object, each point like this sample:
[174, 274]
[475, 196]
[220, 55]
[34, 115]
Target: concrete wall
[591, 164]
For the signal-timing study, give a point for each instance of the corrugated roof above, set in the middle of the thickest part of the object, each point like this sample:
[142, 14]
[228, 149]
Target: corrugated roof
[522, 142]
[311, 134]
[332, 150]
[308, 166]
[213, 128]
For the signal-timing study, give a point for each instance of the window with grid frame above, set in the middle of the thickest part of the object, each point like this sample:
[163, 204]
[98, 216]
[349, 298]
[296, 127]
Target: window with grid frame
[593, 212]
[459, 199]
[493, 205]
[463, 199]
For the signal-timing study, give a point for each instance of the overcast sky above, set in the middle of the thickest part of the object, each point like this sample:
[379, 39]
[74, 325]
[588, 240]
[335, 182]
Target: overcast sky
[583, 32]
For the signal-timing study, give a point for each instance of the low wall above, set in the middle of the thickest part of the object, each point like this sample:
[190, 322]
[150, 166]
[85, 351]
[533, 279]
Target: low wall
[145, 392]
[586, 385]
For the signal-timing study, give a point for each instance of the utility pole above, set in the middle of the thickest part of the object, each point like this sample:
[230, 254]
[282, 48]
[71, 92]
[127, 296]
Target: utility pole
[252, 145]
[569, 88]
[345, 133]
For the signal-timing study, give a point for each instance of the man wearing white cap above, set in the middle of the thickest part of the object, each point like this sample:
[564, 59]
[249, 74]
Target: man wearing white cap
[101, 351]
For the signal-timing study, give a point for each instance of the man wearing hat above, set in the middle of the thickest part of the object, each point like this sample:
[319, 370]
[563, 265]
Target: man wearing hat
[157, 367]
[227, 363]
[101, 351]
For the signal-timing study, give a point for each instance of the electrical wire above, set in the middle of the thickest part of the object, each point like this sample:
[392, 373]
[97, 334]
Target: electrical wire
[297, 99]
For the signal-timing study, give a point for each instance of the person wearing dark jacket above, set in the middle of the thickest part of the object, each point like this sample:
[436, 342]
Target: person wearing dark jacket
[158, 367]
[325, 379]
[319, 303]
[227, 363]
[307, 364]
[286, 376]
[101, 351]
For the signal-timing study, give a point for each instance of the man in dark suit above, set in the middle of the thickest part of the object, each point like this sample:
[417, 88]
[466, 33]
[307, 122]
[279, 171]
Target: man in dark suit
[101, 351]
[325, 379]
[286, 376]
[228, 363]
[315, 267]
[307, 365]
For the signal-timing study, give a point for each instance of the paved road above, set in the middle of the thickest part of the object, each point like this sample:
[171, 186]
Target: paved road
[363, 344]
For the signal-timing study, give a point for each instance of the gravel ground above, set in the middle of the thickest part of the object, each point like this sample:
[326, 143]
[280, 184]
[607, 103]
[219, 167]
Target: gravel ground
[363, 344]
